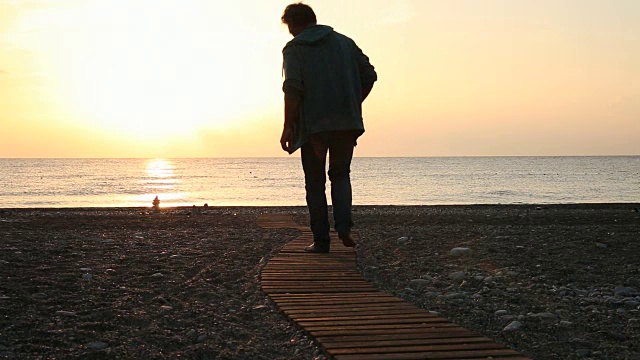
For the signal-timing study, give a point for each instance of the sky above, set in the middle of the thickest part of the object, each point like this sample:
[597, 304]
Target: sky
[189, 78]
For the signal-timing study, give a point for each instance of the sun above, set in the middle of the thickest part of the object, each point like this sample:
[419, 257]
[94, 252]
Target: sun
[158, 68]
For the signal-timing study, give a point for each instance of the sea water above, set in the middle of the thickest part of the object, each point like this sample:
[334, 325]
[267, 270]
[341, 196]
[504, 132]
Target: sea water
[31, 183]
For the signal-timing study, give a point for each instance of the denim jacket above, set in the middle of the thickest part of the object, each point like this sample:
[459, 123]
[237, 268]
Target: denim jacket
[327, 71]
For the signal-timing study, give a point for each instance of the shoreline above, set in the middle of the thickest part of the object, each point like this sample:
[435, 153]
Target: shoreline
[132, 283]
[253, 207]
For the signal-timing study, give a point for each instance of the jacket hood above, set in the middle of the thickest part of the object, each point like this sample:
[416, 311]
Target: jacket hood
[312, 34]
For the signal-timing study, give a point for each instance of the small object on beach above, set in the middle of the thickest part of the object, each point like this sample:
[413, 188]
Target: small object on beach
[583, 353]
[513, 326]
[206, 206]
[65, 313]
[601, 245]
[157, 275]
[97, 345]
[402, 239]
[460, 251]
[195, 210]
[156, 204]
[202, 338]
[87, 276]
[457, 276]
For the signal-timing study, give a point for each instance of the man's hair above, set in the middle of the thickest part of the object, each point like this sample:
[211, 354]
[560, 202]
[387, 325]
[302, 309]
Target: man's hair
[298, 15]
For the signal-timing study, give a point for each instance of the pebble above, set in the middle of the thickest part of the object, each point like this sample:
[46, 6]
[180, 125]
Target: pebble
[514, 325]
[157, 275]
[85, 269]
[39, 296]
[601, 245]
[97, 345]
[501, 313]
[542, 316]
[460, 251]
[191, 333]
[566, 323]
[87, 276]
[624, 291]
[259, 307]
[202, 338]
[420, 282]
[458, 275]
[632, 303]
[65, 313]
[4, 262]
[402, 239]
[583, 353]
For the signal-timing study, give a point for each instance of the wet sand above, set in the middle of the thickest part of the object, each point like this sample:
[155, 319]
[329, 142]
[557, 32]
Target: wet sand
[133, 283]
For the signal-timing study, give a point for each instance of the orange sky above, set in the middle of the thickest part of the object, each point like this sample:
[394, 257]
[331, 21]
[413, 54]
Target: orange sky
[182, 78]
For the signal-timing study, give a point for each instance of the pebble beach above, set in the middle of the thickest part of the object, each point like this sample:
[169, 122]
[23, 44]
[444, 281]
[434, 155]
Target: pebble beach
[551, 281]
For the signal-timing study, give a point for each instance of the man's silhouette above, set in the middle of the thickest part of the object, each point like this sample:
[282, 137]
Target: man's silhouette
[327, 77]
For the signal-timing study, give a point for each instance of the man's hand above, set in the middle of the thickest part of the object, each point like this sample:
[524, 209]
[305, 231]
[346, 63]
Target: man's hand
[286, 140]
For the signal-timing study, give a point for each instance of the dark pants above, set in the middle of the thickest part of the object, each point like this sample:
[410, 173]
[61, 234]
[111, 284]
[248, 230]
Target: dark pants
[340, 146]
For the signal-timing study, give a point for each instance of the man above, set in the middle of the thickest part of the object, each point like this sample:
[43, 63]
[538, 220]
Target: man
[327, 77]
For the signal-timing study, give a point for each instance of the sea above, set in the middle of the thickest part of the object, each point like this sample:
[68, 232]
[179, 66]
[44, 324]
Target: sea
[65, 183]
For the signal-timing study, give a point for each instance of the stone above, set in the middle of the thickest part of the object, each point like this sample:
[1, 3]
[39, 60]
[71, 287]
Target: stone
[583, 353]
[192, 333]
[97, 345]
[460, 251]
[513, 326]
[202, 338]
[565, 323]
[157, 275]
[624, 291]
[501, 313]
[543, 316]
[632, 303]
[39, 296]
[457, 276]
[402, 239]
[85, 269]
[601, 245]
[420, 282]
[65, 313]
[87, 276]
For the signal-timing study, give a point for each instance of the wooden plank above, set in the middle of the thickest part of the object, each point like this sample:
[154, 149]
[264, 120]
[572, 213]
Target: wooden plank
[368, 331]
[405, 342]
[383, 321]
[420, 334]
[351, 309]
[420, 316]
[471, 354]
[416, 348]
[370, 327]
[360, 314]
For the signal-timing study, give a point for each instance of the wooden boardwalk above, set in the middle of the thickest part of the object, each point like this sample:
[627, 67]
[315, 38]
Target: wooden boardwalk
[326, 295]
